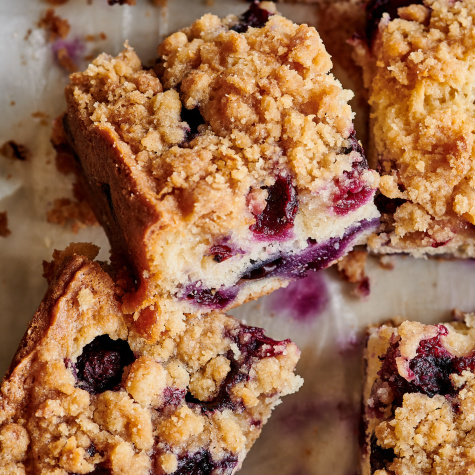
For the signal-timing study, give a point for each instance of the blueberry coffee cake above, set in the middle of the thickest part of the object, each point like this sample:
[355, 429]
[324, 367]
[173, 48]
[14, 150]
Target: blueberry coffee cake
[91, 390]
[231, 167]
[419, 399]
[418, 61]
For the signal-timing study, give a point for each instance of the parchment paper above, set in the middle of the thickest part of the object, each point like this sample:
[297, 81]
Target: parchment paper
[312, 432]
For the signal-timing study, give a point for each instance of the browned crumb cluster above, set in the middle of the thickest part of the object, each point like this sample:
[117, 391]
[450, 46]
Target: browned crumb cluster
[53, 422]
[14, 150]
[56, 27]
[4, 231]
[76, 214]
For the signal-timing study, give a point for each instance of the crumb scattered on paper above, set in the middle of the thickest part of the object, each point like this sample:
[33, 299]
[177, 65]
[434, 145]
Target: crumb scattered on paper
[55, 26]
[4, 231]
[352, 269]
[14, 150]
[386, 262]
[68, 212]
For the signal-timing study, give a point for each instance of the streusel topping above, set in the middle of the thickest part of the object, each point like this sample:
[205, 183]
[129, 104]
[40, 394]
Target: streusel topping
[235, 112]
[420, 73]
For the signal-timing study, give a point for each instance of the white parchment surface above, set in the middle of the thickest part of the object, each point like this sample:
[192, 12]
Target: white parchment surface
[313, 432]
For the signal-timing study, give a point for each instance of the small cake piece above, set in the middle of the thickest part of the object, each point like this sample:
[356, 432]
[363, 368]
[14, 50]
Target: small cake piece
[418, 64]
[419, 399]
[230, 169]
[91, 390]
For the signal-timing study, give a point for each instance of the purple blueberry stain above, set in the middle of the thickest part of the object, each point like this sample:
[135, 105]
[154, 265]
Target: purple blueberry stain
[173, 396]
[100, 366]
[75, 48]
[277, 218]
[291, 266]
[202, 463]
[254, 16]
[302, 301]
[351, 191]
[211, 298]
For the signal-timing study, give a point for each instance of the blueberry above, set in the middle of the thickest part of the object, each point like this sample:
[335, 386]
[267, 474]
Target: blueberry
[255, 17]
[100, 366]
[216, 299]
[202, 463]
[281, 207]
[380, 458]
[194, 119]
[431, 368]
[221, 252]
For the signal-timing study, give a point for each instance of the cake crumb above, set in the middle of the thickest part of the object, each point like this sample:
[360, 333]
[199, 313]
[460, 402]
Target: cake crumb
[55, 26]
[4, 231]
[352, 269]
[64, 59]
[14, 150]
[77, 214]
[387, 262]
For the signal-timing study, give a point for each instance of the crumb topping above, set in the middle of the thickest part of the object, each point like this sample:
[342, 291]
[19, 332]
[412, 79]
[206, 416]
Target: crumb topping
[419, 72]
[420, 411]
[166, 411]
[224, 113]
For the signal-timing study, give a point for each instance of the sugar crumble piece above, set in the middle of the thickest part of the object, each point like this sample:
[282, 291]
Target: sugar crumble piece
[55, 26]
[67, 211]
[352, 269]
[14, 150]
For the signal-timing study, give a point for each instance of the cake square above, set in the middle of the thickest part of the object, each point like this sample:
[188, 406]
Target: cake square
[91, 390]
[419, 399]
[229, 169]
[418, 61]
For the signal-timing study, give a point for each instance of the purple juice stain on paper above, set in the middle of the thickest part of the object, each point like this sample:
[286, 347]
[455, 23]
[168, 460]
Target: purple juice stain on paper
[303, 300]
[74, 47]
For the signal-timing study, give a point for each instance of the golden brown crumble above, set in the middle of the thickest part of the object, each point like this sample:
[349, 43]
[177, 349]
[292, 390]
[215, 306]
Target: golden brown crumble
[267, 96]
[56, 27]
[419, 72]
[76, 214]
[352, 269]
[48, 422]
